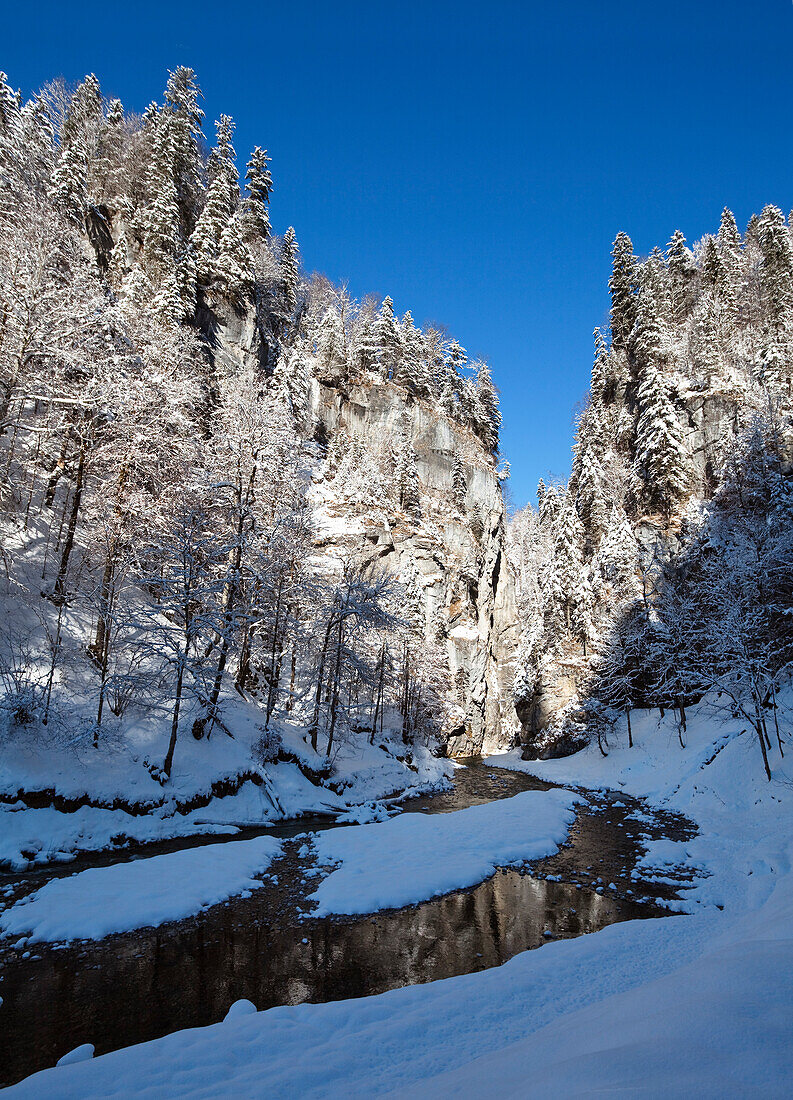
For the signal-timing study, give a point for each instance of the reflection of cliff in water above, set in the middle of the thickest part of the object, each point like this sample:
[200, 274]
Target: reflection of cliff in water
[140, 985]
[134, 987]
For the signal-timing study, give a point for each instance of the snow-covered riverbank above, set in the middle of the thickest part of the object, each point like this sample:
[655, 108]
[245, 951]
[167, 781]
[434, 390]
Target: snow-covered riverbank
[61, 799]
[693, 1004]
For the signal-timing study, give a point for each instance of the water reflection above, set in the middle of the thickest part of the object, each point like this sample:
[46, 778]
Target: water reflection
[138, 986]
[135, 987]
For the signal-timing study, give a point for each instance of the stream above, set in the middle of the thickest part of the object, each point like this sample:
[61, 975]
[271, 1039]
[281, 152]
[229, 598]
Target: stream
[139, 985]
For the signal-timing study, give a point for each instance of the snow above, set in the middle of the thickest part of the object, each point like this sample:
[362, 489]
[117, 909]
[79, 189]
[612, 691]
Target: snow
[104, 900]
[79, 1054]
[687, 1005]
[31, 837]
[418, 856]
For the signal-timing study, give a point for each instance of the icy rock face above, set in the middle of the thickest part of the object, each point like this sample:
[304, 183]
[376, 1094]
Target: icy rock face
[467, 588]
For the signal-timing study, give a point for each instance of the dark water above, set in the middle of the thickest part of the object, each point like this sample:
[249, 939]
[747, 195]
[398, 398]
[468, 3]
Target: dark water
[137, 986]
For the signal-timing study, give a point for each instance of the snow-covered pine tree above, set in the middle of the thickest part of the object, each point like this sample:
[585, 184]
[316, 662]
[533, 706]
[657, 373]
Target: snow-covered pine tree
[406, 476]
[459, 482]
[387, 339]
[622, 286]
[567, 561]
[413, 370]
[487, 416]
[222, 199]
[618, 552]
[330, 343]
[183, 119]
[259, 186]
[682, 276]
[661, 457]
[290, 272]
[600, 373]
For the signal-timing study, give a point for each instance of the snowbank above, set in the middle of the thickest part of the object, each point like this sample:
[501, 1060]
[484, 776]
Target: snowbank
[103, 900]
[416, 856]
[695, 1005]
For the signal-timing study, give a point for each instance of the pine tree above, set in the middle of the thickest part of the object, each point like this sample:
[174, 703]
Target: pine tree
[11, 148]
[162, 243]
[459, 482]
[590, 497]
[682, 274]
[706, 351]
[234, 264]
[406, 475]
[647, 341]
[777, 269]
[661, 455]
[37, 138]
[582, 606]
[568, 563]
[387, 339]
[600, 373]
[487, 417]
[259, 186]
[222, 199]
[183, 118]
[729, 239]
[622, 287]
[618, 551]
[330, 343]
[290, 272]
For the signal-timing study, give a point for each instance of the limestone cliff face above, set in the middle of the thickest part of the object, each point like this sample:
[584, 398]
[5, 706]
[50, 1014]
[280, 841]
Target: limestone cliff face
[466, 585]
[454, 556]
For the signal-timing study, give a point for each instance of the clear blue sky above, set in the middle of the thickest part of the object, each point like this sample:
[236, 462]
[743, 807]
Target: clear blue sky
[473, 160]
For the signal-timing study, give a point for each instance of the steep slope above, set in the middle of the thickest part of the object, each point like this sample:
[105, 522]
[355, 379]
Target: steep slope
[661, 570]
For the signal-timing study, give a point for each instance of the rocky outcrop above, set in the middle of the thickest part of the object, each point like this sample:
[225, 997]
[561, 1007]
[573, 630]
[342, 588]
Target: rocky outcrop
[457, 556]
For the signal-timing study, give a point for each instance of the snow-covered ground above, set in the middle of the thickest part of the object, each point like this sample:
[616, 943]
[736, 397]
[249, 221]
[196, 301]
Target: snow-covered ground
[103, 900]
[689, 1005]
[111, 790]
[417, 856]
[115, 780]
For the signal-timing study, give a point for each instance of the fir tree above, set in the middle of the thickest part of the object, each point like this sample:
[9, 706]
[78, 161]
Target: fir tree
[682, 273]
[290, 271]
[459, 482]
[387, 339]
[487, 416]
[661, 455]
[259, 186]
[568, 564]
[406, 475]
[79, 138]
[777, 269]
[600, 374]
[182, 118]
[222, 198]
[622, 287]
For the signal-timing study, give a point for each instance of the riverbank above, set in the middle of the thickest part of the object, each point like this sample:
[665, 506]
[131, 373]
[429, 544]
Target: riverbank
[59, 800]
[695, 1004]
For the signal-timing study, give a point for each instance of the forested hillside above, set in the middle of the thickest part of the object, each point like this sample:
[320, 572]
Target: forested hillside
[222, 480]
[663, 570]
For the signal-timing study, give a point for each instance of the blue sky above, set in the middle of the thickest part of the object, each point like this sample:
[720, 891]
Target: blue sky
[474, 161]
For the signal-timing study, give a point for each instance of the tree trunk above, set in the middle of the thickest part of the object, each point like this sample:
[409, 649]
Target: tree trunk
[334, 703]
[758, 725]
[58, 472]
[175, 720]
[320, 679]
[630, 730]
[59, 590]
[291, 700]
